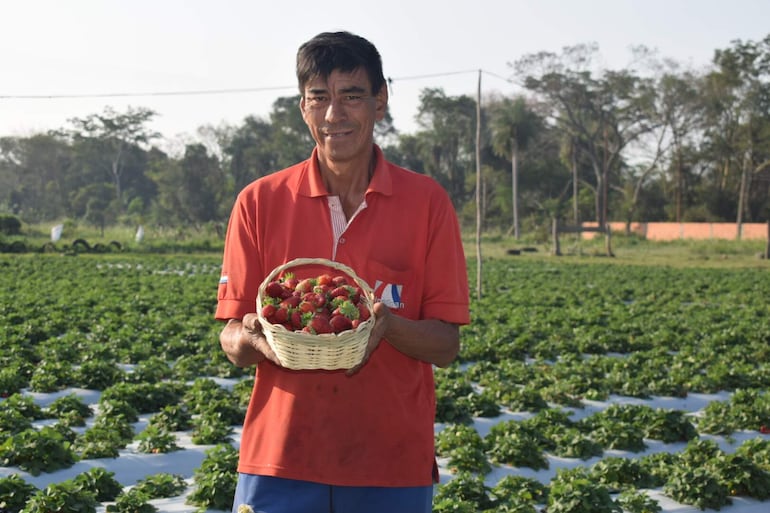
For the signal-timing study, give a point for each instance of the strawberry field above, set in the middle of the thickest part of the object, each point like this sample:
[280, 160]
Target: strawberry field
[581, 387]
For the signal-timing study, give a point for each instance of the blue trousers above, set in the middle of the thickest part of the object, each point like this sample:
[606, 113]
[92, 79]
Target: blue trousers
[267, 494]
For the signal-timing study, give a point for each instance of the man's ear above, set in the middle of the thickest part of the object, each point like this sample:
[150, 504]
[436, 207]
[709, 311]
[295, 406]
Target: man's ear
[381, 102]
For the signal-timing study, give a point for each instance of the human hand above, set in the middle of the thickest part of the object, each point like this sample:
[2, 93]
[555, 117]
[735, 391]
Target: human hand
[256, 339]
[381, 319]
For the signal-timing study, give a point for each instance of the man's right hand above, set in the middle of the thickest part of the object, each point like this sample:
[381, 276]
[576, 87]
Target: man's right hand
[244, 343]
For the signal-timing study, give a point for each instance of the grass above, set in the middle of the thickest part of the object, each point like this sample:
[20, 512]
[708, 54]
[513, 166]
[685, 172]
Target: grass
[627, 250]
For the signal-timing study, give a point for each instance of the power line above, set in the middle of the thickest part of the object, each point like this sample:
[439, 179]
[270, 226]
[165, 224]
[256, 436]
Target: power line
[203, 92]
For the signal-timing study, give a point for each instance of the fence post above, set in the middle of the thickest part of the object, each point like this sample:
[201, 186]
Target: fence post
[556, 251]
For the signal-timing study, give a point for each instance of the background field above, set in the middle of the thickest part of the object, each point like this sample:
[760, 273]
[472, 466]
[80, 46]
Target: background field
[675, 327]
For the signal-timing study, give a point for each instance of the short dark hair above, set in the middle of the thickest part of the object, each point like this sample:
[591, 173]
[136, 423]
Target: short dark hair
[341, 51]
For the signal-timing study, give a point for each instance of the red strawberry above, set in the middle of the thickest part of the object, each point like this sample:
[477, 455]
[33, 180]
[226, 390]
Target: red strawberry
[363, 312]
[339, 280]
[296, 320]
[340, 323]
[320, 324]
[342, 291]
[290, 282]
[305, 285]
[275, 289]
[290, 302]
[306, 306]
[268, 311]
[281, 316]
[325, 279]
[347, 309]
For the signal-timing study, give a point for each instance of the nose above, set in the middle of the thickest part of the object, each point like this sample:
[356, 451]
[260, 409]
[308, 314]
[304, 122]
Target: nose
[335, 111]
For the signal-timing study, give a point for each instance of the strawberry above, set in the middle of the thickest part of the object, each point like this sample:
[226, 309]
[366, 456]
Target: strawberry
[275, 289]
[347, 309]
[339, 280]
[363, 312]
[268, 311]
[295, 317]
[306, 306]
[319, 324]
[281, 316]
[290, 302]
[305, 285]
[290, 281]
[325, 279]
[340, 323]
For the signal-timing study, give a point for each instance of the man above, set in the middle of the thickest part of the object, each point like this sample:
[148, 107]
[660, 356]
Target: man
[359, 440]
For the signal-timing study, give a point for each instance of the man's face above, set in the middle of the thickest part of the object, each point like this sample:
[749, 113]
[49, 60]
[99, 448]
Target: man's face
[341, 112]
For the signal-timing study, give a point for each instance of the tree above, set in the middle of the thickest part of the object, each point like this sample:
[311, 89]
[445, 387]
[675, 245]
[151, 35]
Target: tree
[603, 113]
[513, 124]
[105, 139]
[447, 125]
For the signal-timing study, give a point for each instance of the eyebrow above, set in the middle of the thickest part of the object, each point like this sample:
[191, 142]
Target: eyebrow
[346, 90]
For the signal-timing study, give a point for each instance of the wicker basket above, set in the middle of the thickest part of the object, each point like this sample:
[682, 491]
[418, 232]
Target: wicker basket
[304, 351]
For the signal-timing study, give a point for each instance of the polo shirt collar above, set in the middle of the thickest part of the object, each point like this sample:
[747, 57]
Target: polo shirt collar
[311, 184]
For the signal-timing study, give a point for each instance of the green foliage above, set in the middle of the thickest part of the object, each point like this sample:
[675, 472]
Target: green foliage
[574, 492]
[215, 479]
[37, 451]
[159, 486]
[60, 497]
[156, 440]
[71, 407]
[15, 492]
[464, 448]
[99, 482]
[10, 225]
[132, 501]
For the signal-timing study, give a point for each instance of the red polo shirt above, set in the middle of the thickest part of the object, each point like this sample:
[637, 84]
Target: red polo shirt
[374, 428]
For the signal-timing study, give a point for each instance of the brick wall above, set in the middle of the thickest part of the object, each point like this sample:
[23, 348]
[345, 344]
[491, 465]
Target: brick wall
[676, 231]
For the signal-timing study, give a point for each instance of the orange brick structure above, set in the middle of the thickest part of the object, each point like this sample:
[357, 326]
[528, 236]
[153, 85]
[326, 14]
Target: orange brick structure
[693, 231]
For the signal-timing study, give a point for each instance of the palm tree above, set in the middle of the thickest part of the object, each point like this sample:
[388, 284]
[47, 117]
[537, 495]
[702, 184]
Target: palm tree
[513, 124]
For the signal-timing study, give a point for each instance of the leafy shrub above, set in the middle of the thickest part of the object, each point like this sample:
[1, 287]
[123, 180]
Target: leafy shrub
[10, 224]
[464, 447]
[156, 440]
[175, 417]
[634, 501]
[465, 488]
[516, 444]
[25, 405]
[132, 501]
[145, 397]
[216, 478]
[162, 485]
[51, 376]
[697, 486]
[210, 429]
[575, 492]
[15, 492]
[620, 473]
[97, 374]
[69, 406]
[61, 497]
[37, 451]
[100, 482]
[512, 487]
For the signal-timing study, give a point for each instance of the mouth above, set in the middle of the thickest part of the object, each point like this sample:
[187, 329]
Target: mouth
[336, 133]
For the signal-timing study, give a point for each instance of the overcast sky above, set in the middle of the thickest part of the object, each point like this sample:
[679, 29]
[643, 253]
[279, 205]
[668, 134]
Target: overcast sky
[150, 47]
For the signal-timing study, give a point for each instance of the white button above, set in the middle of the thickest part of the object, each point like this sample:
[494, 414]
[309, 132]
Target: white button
[342, 240]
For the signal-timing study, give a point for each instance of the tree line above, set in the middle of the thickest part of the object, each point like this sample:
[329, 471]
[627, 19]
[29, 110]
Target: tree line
[654, 141]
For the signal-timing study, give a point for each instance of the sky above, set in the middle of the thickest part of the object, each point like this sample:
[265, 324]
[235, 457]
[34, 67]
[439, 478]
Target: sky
[69, 59]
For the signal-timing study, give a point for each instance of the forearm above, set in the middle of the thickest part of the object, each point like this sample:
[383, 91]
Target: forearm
[429, 340]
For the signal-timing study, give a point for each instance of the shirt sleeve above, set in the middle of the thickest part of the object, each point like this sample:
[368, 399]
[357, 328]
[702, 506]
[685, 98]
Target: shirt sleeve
[242, 271]
[446, 294]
